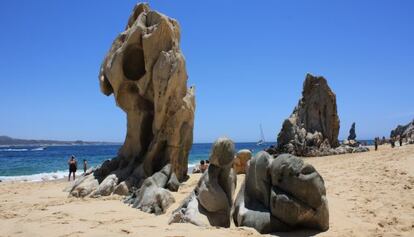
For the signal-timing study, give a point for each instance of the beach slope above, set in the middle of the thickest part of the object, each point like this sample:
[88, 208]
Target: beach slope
[369, 194]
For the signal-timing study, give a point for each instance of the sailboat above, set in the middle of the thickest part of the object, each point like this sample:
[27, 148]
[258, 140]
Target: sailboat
[262, 139]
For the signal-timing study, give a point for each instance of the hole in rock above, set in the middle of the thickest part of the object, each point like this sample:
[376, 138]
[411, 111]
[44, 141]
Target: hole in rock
[134, 63]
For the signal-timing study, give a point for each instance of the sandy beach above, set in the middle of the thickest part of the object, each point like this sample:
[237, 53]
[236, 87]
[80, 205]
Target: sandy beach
[369, 194]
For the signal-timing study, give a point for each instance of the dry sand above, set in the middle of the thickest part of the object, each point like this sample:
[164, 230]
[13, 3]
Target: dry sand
[369, 194]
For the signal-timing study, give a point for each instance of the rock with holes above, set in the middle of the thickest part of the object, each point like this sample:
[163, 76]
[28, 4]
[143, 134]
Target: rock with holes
[145, 71]
[281, 194]
[241, 160]
[313, 121]
[211, 201]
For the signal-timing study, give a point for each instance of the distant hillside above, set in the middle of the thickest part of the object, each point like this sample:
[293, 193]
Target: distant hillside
[9, 141]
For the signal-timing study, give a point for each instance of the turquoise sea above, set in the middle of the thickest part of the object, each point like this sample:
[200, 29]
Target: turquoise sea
[46, 163]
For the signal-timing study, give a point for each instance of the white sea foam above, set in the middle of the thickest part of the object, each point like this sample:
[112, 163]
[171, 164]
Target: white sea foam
[36, 177]
[14, 149]
[191, 167]
[38, 149]
[60, 174]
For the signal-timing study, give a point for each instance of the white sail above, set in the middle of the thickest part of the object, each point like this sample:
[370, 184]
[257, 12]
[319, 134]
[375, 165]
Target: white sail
[262, 139]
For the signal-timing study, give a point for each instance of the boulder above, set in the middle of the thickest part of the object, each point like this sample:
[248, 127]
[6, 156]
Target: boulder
[313, 121]
[106, 187]
[211, 201]
[152, 197]
[145, 71]
[360, 149]
[121, 189]
[281, 194]
[240, 162]
[173, 184]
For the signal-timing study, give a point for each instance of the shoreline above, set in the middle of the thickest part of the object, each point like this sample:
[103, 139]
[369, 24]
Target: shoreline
[63, 174]
[369, 194]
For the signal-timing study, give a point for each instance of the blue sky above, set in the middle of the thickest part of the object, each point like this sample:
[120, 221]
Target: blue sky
[248, 60]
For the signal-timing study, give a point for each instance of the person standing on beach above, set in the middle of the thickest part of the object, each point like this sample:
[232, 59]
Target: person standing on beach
[376, 143]
[85, 166]
[401, 140]
[73, 165]
[392, 141]
[203, 166]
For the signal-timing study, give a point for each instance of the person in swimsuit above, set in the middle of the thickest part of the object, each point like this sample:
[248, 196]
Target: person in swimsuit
[85, 166]
[72, 166]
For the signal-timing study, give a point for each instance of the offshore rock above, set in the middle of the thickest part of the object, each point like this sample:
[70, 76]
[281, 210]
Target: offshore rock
[352, 134]
[313, 123]
[404, 131]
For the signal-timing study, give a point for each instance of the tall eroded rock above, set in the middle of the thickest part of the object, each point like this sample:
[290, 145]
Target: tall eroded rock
[145, 71]
[352, 133]
[314, 123]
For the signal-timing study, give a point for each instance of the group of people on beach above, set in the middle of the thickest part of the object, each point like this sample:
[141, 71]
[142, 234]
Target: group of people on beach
[202, 167]
[392, 141]
[73, 166]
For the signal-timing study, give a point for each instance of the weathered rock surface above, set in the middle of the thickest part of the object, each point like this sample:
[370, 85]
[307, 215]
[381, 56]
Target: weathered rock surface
[312, 129]
[405, 131]
[152, 197]
[240, 162]
[173, 184]
[281, 194]
[314, 121]
[352, 133]
[145, 71]
[211, 201]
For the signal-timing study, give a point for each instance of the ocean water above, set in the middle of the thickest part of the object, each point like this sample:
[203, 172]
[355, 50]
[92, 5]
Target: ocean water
[48, 163]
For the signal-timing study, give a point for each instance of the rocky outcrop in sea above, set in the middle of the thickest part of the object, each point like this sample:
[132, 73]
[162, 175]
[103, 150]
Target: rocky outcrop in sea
[404, 131]
[312, 128]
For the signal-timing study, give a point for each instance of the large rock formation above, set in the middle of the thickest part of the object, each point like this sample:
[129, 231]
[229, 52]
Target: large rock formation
[312, 129]
[281, 194]
[314, 121]
[211, 201]
[405, 131]
[145, 71]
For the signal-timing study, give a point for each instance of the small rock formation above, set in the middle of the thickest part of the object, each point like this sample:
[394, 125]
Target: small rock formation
[152, 197]
[145, 71]
[312, 129]
[404, 131]
[240, 162]
[211, 201]
[352, 134]
[281, 194]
